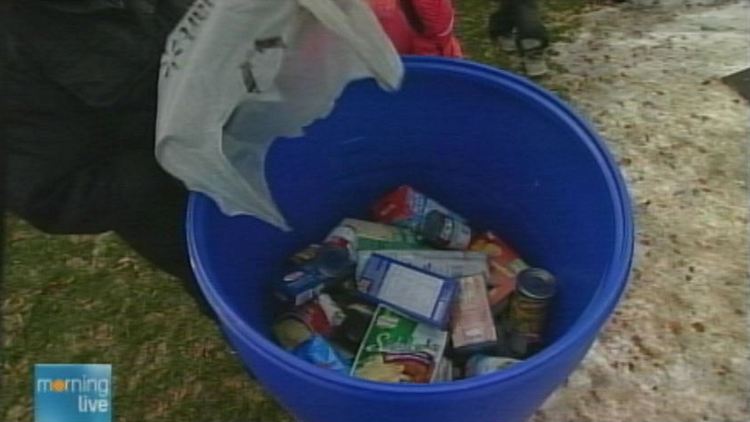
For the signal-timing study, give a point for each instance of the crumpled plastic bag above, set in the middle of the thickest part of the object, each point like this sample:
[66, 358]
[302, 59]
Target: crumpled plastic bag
[237, 74]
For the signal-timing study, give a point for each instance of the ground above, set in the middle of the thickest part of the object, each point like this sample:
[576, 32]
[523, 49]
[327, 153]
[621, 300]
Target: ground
[677, 348]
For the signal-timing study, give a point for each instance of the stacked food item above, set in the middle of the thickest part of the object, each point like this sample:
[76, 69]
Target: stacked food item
[414, 296]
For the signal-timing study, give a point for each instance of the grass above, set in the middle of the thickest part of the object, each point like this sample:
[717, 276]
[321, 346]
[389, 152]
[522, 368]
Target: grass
[90, 299]
[561, 17]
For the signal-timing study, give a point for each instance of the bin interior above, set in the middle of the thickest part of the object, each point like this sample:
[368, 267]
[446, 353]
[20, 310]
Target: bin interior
[504, 161]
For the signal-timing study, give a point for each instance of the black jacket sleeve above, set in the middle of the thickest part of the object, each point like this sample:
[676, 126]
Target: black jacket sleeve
[60, 178]
[70, 166]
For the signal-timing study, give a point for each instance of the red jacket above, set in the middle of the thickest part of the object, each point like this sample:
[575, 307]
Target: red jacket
[420, 27]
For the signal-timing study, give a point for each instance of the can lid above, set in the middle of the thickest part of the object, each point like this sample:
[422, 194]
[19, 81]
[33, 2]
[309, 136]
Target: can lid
[433, 223]
[536, 283]
[291, 332]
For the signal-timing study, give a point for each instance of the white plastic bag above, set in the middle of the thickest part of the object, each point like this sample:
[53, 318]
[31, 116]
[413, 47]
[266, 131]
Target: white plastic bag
[237, 74]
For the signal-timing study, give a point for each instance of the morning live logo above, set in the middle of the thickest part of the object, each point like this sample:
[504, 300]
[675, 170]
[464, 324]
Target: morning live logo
[72, 393]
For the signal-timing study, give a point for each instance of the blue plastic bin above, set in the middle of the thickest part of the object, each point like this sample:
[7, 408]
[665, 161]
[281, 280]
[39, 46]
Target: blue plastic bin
[490, 145]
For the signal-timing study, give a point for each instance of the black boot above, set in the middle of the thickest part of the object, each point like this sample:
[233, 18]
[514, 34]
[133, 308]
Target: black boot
[531, 37]
[502, 22]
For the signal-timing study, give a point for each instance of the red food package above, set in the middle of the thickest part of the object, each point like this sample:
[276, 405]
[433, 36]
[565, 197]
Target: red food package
[314, 316]
[395, 207]
[408, 208]
[504, 263]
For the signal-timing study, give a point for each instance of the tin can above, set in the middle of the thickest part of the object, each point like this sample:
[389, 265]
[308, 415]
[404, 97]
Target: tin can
[334, 314]
[527, 313]
[304, 256]
[483, 364]
[337, 254]
[312, 315]
[319, 267]
[444, 231]
[291, 332]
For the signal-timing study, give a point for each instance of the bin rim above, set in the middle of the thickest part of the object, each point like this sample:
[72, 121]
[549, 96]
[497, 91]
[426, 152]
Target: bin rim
[601, 306]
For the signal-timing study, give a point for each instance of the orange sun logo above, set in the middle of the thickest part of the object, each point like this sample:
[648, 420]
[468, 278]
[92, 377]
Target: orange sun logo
[58, 386]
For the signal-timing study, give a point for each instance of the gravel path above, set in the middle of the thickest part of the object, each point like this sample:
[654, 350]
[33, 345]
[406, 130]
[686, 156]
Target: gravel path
[677, 349]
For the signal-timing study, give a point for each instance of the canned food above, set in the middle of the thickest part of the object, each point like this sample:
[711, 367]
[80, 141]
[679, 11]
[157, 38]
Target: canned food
[334, 314]
[444, 231]
[336, 257]
[291, 332]
[313, 316]
[305, 255]
[483, 364]
[527, 312]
